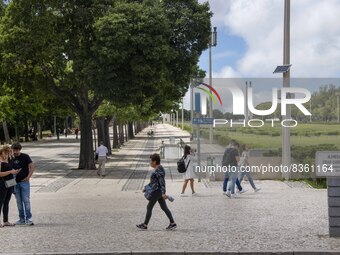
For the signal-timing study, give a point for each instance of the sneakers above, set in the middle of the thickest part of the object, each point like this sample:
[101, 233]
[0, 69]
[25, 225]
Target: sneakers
[29, 223]
[171, 226]
[233, 196]
[8, 224]
[242, 191]
[194, 194]
[228, 194]
[20, 222]
[257, 189]
[142, 226]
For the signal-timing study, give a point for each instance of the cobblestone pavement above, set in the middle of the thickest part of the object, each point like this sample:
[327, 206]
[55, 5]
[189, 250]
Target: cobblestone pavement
[76, 211]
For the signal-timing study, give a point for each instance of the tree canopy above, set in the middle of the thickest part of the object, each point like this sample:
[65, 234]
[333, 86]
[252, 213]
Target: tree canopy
[138, 53]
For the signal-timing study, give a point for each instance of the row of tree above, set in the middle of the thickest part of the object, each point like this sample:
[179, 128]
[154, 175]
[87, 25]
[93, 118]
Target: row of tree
[98, 58]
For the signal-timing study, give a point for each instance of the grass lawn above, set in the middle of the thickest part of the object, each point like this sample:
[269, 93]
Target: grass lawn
[270, 137]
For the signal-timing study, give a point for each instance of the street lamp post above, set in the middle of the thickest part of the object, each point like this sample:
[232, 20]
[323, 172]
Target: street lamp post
[338, 107]
[212, 43]
[310, 110]
[286, 153]
[246, 113]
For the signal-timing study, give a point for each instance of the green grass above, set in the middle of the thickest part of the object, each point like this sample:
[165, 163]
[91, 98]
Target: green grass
[318, 184]
[270, 137]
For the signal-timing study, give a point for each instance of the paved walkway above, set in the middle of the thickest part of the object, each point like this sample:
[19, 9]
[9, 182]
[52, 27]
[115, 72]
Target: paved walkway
[75, 211]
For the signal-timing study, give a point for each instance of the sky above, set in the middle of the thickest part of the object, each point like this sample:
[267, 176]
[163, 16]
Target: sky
[250, 39]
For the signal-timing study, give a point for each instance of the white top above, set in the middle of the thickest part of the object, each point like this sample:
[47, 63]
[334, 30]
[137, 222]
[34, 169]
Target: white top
[189, 173]
[244, 159]
[102, 151]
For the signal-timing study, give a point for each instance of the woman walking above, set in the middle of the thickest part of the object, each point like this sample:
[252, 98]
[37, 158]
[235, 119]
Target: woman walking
[156, 193]
[189, 174]
[243, 163]
[6, 174]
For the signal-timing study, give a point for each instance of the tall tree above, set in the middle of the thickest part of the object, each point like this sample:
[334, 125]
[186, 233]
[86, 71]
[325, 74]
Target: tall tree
[86, 51]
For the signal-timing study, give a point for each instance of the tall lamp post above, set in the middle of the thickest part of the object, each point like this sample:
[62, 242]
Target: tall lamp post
[212, 43]
[286, 154]
[338, 103]
[246, 113]
[285, 70]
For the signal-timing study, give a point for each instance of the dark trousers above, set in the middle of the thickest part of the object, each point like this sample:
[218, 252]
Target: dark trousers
[157, 196]
[5, 197]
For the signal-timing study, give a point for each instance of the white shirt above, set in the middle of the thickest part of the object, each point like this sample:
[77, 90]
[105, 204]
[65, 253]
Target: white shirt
[102, 151]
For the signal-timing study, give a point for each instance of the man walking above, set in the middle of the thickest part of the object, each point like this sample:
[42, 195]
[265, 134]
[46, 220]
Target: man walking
[22, 189]
[102, 153]
[230, 160]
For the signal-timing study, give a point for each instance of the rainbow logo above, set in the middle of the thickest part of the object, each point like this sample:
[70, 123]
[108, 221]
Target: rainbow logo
[210, 93]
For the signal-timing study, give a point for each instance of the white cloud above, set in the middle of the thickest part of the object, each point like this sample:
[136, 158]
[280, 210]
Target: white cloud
[226, 72]
[315, 39]
[220, 9]
[315, 36]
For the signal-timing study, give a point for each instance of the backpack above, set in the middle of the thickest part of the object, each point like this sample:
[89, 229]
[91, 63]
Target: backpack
[181, 168]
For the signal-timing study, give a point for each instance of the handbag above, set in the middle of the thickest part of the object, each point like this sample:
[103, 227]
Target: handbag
[148, 191]
[10, 183]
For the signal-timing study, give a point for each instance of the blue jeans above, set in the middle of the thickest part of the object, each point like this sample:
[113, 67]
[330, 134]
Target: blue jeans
[250, 178]
[233, 180]
[22, 194]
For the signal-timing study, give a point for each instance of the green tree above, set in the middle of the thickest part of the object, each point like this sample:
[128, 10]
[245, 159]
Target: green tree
[86, 51]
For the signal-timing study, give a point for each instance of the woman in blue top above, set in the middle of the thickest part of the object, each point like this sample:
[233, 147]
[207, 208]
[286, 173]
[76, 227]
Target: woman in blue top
[157, 183]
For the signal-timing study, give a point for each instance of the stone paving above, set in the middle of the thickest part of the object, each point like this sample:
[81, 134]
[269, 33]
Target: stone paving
[76, 211]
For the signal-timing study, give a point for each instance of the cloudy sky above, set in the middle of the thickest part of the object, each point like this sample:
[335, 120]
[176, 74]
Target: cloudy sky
[250, 38]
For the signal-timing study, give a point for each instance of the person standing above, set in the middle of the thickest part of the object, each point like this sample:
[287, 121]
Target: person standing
[157, 184]
[189, 174]
[243, 163]
[6, 174]
[76, 131]
[102, 153]
[22, 189]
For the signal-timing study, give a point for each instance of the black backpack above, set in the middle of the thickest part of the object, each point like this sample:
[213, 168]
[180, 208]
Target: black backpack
[181, 168]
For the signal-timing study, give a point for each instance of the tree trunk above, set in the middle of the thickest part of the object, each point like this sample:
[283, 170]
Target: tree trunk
[103, 132]
[6, 133]
[107, 141]
[100, 129]
[121, 133]
[126, 133]
[40, 130]
[26, 130]
[115, 143]
[86, 157]
[34, 131]
[17, 133]
[130, 129]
